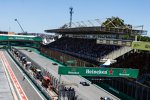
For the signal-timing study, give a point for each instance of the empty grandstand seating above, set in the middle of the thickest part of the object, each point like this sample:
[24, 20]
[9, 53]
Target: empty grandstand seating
[86, 48]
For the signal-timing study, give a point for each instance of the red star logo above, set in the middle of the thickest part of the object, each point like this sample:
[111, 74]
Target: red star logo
[111, 71]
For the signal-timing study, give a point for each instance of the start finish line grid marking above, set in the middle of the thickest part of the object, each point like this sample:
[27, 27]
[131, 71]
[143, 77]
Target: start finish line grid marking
[14, 79]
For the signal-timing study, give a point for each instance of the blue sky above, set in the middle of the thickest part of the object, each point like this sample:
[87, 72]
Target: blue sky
[39, 15]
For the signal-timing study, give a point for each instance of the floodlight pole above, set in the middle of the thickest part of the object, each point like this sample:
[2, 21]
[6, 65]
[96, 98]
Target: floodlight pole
[19, 25]
[71, 12]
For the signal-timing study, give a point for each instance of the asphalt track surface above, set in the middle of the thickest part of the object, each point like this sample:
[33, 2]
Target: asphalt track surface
[29, 89]
[91, 92]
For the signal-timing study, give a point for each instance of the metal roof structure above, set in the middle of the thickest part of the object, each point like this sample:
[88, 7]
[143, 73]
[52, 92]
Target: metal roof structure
[96, 30]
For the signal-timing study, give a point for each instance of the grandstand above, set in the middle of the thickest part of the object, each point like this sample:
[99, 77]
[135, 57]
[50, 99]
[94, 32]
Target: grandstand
[86, 49]
[80, 45]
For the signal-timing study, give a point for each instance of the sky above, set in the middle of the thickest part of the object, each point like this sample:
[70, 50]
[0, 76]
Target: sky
[35, 16]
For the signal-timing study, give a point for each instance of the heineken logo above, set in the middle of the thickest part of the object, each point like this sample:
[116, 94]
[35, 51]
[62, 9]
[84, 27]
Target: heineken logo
[124, 71]
[91, 71]
[73, 69]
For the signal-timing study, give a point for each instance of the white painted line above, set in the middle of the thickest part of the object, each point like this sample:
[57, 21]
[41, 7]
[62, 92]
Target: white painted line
[26, 77]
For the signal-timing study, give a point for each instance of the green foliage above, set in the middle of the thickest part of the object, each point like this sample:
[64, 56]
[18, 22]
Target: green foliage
[143, 38]
[116, 22]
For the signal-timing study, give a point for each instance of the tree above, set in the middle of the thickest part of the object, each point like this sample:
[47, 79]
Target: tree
[143, 38]
[116, 22]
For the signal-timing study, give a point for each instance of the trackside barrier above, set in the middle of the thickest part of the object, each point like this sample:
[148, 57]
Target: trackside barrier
[34, 63]
[43, 91]
[44, 72]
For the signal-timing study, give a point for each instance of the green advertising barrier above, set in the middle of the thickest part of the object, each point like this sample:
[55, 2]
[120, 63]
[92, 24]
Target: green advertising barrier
[141, 45]
[106, 72]
[21, 37]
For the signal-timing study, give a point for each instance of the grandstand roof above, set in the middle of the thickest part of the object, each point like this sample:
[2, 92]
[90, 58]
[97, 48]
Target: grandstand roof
[96, 30]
